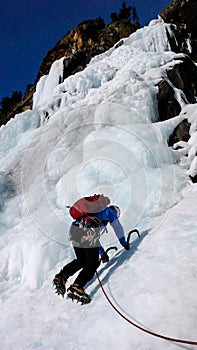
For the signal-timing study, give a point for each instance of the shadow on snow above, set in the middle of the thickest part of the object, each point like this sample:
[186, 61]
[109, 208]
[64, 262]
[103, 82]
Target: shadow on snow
[117, 260]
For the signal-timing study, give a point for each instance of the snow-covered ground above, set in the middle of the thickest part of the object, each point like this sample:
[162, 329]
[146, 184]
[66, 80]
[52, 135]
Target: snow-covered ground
[98, 132]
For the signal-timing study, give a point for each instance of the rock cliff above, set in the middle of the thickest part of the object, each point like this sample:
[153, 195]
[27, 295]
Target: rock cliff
[183, 13]
[93, 37]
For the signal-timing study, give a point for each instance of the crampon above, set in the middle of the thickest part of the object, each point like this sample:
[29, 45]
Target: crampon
[59, 285]
[77, 296]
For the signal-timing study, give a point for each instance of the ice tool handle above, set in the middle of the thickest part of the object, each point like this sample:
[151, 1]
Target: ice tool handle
[128, 239]
[130, 233]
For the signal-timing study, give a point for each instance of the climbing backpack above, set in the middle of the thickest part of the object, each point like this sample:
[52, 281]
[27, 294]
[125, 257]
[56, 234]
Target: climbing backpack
[84, 211]
[87, 206]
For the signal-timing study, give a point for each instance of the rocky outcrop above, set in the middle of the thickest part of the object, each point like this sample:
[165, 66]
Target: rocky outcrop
[85, 41]
[183, 141]
[183, 76]
[193, 178]
[168, 106]
[93, 37]
[78, 46]
[183, 13]
[180, 133]
[23, 105]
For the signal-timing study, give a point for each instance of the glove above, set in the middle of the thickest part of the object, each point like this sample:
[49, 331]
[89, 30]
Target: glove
[127, 246]
[104, 257]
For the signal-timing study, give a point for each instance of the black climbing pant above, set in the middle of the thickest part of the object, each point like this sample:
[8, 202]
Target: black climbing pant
[87, 260]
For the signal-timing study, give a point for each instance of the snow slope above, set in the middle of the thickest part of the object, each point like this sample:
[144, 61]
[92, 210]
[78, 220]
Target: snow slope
[98, 131]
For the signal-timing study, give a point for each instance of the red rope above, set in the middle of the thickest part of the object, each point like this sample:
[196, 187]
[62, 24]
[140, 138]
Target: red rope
[139, 327]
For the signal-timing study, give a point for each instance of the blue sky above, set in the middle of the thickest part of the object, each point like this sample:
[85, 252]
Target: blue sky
[28, 29]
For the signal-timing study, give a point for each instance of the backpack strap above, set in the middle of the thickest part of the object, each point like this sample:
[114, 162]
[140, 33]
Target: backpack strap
[89, 221]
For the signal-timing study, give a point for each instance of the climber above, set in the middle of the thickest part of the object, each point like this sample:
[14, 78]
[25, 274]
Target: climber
[85, 233]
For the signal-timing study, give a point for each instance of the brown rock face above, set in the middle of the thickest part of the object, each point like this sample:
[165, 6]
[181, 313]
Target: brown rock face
[183, 13]
[85, 41]
[184, 77]
[93, 37]
[180, 133]
[78, 46]
[168, 106]
[26, 103]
